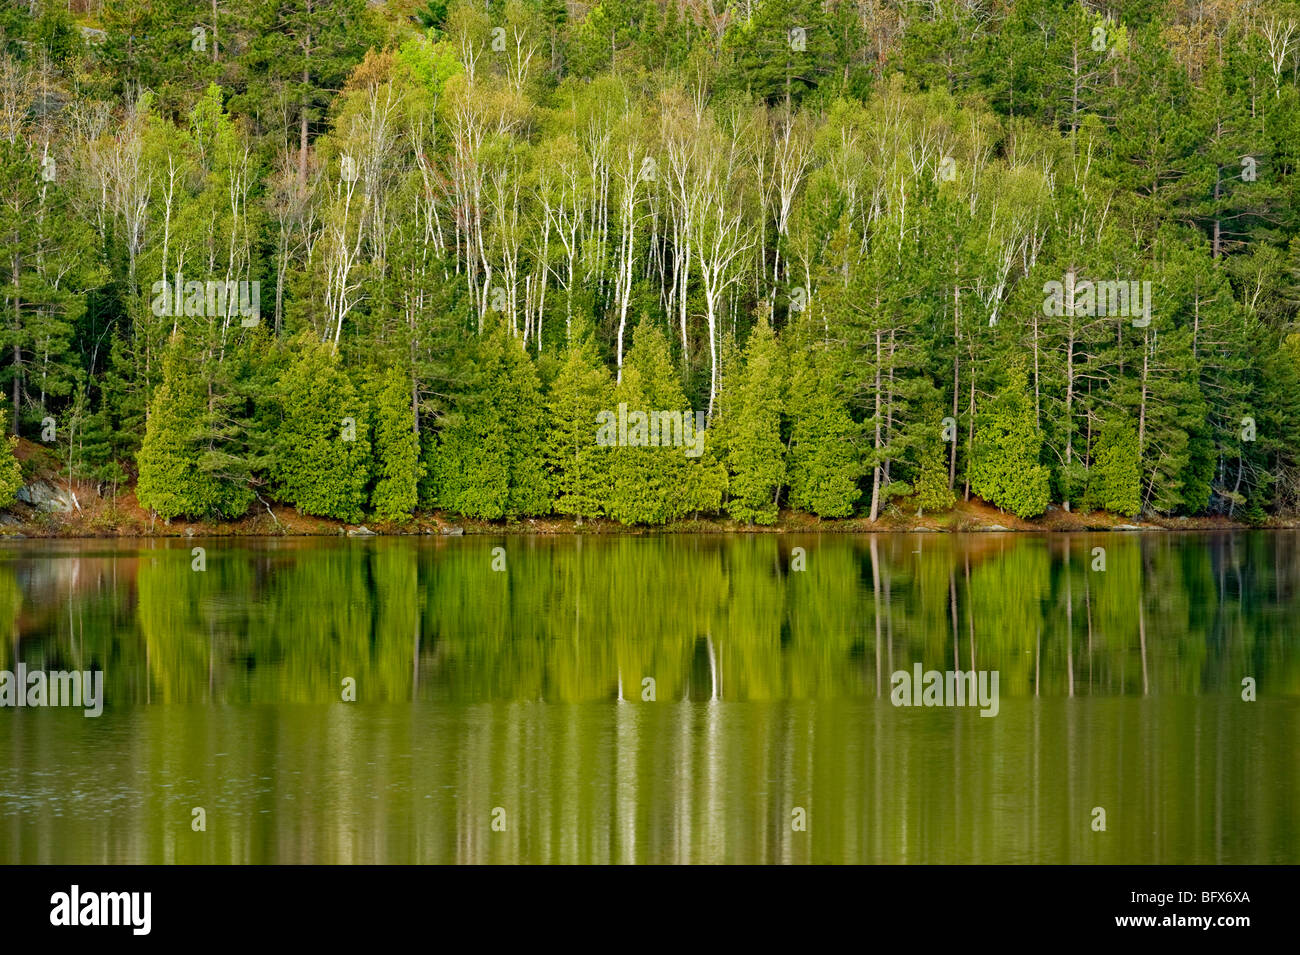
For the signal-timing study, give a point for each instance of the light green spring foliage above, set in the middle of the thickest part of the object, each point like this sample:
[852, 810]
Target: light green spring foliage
[930, 489]
[657, 485]
[1115, 480]
[169, 482]
[578, 467]
[755, 455]
[322, 445]
[490, 460]
[824, 461]
[173, 481]
[646, 482]
[11, 473]
[796, 135]
[1006, 471]
[398, 468]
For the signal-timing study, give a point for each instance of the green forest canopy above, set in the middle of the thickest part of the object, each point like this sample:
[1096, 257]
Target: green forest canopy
[365, 258]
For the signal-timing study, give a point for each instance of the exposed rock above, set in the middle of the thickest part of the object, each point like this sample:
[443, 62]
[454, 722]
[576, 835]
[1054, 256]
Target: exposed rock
[48, 104]
[46, 497]
[451, 530]
[361, 531]
[1126, 527]
[993, 527]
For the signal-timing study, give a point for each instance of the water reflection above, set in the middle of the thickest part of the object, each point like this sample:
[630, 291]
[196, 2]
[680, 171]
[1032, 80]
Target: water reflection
[708, 618]
[526, 690]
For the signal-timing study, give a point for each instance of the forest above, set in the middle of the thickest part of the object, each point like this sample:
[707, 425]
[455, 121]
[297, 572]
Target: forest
[369, 260]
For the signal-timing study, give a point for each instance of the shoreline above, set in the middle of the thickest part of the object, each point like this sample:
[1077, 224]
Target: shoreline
[124, 520]
[50, 507]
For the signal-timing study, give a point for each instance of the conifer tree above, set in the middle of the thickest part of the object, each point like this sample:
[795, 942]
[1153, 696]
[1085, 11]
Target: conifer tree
[577, 465]
[1115, 478]
[1279, 416]
[11, 472]
[824, 461]
[297, 52]
[642, 477]
[930, 488]
[173, 481]
[656, 484]
[1005, 470]
[398, 467]
[47, 255]
[784, 50]
[754, 452]
[322, 443]
[490, 458]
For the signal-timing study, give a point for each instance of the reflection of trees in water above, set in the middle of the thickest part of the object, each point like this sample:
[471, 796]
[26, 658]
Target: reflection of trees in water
[11, 601]
[1183, 780]
[708, 617]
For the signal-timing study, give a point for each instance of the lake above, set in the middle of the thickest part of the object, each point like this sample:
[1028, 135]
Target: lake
[659, 698]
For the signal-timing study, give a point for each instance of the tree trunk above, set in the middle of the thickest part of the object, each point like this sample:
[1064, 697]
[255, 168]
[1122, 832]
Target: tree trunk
[302, 117]
[875, 470]
[956, 381]
[18, 348]
[970, 436]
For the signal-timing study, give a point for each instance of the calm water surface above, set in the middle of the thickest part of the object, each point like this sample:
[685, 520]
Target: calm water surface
[519, 696]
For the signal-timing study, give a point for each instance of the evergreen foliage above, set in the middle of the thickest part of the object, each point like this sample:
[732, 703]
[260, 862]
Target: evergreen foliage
[1115, 481]
[470, 229]
[322, 456]
[397, 466]
[1006, 470]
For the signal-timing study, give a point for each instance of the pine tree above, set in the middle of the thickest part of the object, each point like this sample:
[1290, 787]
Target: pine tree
[659, 483]
[397, 448]
[932, 491]
[1115, 478]
[784, 50]
[244, 421]
[824, 462]
[1176, 437]
[433, 15]
[1005, 470]
[119, 422]
[490, 459]
[298, 51]
[754, 452]
[930, 487]
[322, 453]
[172, 481]
[577, 465]
[1279, 417]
